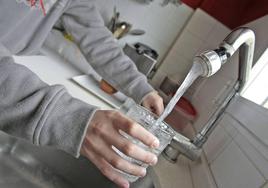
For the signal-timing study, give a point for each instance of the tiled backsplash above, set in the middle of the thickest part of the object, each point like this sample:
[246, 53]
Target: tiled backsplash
[162, 24]
[260, 28]
[236, 158]
[202, 32]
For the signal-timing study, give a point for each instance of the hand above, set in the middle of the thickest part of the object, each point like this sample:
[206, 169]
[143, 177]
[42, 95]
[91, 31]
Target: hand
[154, 103]
[103, 133]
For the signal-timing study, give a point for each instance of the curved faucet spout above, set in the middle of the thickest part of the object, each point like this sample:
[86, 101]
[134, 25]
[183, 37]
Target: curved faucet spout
[210, 62]
[243, 39]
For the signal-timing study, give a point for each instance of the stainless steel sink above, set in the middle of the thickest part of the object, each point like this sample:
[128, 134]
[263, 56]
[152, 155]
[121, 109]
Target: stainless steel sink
[27, 166]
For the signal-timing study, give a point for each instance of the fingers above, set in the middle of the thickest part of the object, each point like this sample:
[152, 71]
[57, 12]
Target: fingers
[103, 133]
[102, 149]
[130, 149]
[158, 108]
[106, 169]
[151, 108]
[137, 131]
[155, 108]
[154, 103]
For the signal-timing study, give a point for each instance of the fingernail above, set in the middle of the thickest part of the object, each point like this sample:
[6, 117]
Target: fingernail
[125, 185]
[155, 143]
[143, 172]
[154, 160]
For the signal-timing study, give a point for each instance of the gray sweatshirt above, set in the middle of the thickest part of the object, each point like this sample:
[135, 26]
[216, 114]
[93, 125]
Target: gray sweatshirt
[47, 115]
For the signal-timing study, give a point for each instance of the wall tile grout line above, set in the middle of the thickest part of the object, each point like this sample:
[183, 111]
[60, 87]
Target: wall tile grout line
[251, 133]
[249, 158]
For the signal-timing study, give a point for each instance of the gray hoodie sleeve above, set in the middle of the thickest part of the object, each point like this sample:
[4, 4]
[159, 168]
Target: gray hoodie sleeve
[82, 20]
[42, 114]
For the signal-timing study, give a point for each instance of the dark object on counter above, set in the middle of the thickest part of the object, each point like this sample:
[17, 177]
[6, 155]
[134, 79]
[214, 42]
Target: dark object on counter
[136, 32]
[144, 49]
[174, 2]
[144, 1]
[143, 56]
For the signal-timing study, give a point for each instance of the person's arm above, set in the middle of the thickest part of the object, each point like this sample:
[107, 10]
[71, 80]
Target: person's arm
[48, 116]
[82, 20]
[42, 114]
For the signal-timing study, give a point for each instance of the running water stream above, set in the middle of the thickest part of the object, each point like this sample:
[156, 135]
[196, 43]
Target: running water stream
[193, 74]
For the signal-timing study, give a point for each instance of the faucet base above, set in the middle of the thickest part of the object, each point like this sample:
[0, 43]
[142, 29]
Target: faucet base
[171, 154]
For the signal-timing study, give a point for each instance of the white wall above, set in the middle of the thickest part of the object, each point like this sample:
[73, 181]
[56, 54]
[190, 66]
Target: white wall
[260, 27]
[162, 24]
[237, 150]
[201, 33]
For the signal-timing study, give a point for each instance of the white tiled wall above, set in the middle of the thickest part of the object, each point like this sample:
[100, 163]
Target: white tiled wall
[259, 160]
[261, 29]
[201, 175]
[233, 169]
[217, 142]
[234, 161]
[162, 24]
[236, 152]
[201, 33]
[204, 32]
[174, 175]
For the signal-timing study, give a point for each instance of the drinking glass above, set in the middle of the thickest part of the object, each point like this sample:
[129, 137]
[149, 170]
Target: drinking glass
[146, 119]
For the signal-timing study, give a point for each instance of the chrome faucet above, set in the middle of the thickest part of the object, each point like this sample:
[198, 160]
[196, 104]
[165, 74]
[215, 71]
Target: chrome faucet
[211, 61]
